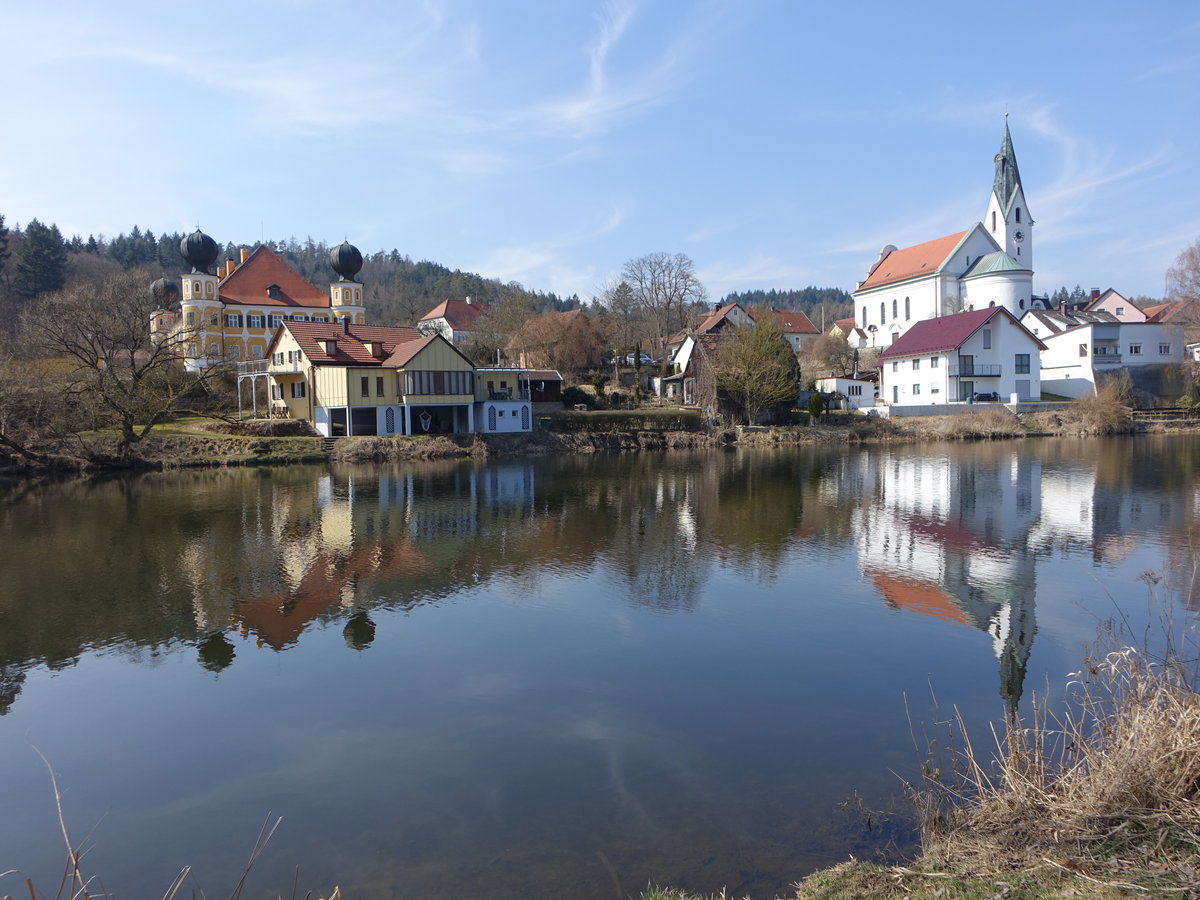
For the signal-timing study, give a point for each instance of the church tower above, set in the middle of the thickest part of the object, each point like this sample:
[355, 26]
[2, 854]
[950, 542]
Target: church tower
[1008, 220]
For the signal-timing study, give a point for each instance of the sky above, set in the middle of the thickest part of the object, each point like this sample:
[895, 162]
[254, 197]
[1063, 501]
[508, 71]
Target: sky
[777, 143]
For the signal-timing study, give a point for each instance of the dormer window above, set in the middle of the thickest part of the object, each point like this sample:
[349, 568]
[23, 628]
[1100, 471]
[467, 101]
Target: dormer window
[273, 291]
[331, 348]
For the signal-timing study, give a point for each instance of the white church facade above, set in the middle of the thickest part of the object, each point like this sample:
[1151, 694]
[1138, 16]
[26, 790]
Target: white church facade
[989, 264]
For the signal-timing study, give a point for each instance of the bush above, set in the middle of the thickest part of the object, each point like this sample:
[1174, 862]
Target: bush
[992, 422]
[1102, 413]
[599, 380]
[816, 405]
[575, 395]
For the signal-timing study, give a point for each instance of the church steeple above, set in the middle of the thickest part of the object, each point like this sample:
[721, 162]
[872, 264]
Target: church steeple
[1008, 177]
[1007, 219]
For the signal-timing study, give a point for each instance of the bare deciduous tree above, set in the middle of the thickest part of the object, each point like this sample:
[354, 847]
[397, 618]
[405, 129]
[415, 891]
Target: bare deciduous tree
[664, 285]
[98, 333]
[1183, 278]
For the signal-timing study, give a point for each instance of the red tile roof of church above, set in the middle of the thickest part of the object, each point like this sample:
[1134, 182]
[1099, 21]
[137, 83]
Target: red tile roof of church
[249, 282]
[913, 262]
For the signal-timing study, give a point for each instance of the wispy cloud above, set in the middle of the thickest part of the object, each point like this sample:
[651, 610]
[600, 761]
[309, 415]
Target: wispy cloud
[758, 271]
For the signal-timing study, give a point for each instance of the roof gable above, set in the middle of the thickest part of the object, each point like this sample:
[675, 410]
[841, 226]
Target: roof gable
[264, 267]
[789, 321]
[459, 314]
[406, 354]
[947, 333]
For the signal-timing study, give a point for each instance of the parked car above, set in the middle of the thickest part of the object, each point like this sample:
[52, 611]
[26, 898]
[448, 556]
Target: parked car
[986, 397]
[645, 360]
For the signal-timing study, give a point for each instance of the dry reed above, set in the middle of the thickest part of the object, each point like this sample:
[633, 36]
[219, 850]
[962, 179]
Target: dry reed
[1108, 790]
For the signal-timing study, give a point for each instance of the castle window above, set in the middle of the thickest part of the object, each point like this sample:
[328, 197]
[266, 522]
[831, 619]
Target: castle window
[190, 317]
[212, 318]
[256, 321]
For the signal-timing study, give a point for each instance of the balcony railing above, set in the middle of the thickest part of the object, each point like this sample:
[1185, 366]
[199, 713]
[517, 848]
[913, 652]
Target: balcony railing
[976, 371]
[508, 393]
[254, 367]
[1106, 359]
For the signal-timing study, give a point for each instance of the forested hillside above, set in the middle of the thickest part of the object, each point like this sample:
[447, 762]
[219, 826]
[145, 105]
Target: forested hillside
[398, 291]
[834, 302]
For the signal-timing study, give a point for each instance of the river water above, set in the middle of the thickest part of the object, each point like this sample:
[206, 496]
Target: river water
[548, 677]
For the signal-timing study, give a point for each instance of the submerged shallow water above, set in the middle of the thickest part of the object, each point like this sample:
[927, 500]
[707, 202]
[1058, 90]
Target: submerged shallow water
[568, 676]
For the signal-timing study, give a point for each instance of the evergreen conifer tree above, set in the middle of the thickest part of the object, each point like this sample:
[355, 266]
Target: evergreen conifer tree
[42, 264]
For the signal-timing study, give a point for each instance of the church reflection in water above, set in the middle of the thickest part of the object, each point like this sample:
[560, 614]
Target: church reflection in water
[959, 537]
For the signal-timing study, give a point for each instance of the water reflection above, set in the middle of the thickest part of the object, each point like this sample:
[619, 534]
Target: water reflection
[598, 670]
[954, 533]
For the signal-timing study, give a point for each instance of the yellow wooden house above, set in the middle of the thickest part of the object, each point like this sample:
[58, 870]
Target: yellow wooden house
[349, 379]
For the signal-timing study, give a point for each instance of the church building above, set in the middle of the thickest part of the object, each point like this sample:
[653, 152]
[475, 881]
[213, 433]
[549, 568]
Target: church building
[989, 264]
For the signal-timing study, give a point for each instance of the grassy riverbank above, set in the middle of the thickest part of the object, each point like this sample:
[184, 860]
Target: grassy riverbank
[1100, 801]
[198, 442]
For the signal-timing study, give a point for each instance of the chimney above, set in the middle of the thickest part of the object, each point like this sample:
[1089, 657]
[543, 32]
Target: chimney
[244, 254]
[468, 301]
[1095, 295]
[220, 273]
[229, 264]
[345, 324]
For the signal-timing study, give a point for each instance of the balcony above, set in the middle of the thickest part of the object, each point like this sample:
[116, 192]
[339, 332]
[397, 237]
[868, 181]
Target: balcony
[509, 393]
[253, 367]
[976, 371]
[1106, 359]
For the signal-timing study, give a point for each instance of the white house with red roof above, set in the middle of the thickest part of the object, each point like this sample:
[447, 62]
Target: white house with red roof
[988, 265]
[1082, 346]
[452, 319]
[955, 359]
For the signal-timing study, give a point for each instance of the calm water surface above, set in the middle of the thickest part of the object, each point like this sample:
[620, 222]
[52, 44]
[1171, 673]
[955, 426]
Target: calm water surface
[556, 677]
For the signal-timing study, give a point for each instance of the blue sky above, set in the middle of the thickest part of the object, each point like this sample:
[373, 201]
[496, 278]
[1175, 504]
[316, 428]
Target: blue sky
[777, 143]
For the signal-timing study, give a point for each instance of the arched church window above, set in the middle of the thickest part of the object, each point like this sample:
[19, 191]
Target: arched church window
[1021, 303]
[894, 309]
[882, 312]
[907, 309]
[993, 221]
[864, 317]
[1018, 214]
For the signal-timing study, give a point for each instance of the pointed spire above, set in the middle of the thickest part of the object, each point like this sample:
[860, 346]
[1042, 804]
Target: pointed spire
[1008, 177]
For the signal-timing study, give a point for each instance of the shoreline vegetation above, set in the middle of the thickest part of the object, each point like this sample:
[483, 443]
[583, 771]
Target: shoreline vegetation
[197, 442]
[1101, 800]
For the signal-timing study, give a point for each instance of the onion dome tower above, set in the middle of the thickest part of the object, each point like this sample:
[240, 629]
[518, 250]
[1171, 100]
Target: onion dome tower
[346, 293]
[200, 251]
[165, 293]
[201, 302]
[346, 261]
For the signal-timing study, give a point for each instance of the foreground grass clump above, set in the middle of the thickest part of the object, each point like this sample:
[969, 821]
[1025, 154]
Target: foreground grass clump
[990, 422]
[1108, 792]
[1100, 801]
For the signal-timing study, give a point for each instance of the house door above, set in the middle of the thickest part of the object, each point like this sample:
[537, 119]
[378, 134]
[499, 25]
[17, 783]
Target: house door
[966, 389]
[1023, 389]
[337, 422]
[895, 393]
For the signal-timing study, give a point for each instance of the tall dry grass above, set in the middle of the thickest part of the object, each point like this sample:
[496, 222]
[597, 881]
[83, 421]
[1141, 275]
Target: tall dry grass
[1109, 789]
[990, 422]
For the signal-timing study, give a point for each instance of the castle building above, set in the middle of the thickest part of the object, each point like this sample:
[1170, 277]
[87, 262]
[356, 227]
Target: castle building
[989, 264]
[231, 316]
